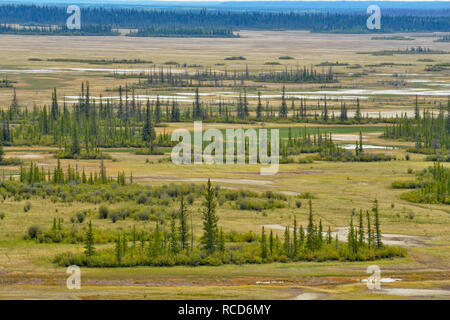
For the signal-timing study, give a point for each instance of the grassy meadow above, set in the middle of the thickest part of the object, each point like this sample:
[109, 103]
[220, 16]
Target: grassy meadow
[27, 269]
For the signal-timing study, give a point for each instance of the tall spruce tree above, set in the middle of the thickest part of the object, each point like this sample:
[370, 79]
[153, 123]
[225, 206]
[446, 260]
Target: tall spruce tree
[379, 244]
[283, 108]
[89, 241]
[210, 219]
[263, 244]
[310, 236]
[183, 224]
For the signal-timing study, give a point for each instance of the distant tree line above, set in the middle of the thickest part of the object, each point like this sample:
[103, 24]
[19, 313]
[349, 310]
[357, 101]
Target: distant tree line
[135, 18]
[60, 30]
[200, 32]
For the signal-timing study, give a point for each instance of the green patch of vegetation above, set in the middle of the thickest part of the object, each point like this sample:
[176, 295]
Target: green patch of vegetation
[412, 50]
[183, 32]
[5, 83]
[176, 246]
[431, 134]
[392, 38]
[331, 64]
[86, 30]
[432, 186]
[439, 67]
[235, 58]
[99, 61]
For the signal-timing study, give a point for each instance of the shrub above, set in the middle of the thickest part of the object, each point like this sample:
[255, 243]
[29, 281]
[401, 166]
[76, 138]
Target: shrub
[27, 206]
[142, 199]
[142, 216]
[80, 216]
[103, 212]
[114, 216]
[33, 232]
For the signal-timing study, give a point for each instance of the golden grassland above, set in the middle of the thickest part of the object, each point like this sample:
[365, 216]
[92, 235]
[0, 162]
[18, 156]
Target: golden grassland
[26, 270]
[258, 47]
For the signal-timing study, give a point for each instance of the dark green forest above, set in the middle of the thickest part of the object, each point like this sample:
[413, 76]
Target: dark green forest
[135, 18]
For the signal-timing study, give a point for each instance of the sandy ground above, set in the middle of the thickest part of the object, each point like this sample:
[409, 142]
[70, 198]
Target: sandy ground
[436, 293]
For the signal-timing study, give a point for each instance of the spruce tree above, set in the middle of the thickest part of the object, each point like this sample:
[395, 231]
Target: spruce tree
[377, 224]
[294, 239]
[210, 219]
[89, 241]
[310, 236]
[329, 236]
[325, 110]
[358, 111]
[271, 243]
[416, 110]
[259, 107]
[351, 237]
[118, 249]
[221, 243]
[173, 237]
[301, 237]
[369, 231]
[263, 244]
[183, 224]
[283, 108]
[320, 235]
[287, 242]
[361, 230]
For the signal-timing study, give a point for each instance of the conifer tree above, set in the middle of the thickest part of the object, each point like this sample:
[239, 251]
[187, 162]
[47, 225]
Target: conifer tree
[294, 239]
[157, 110]
[283, 108]
[197, 107]
[320, 235]
[360, 145]
[75, 147]
[118, 249]
[221, 244]
[210, 219]
[358, 111]
[301, 237]
[369, 231]
[271, 243]
[263, 244]
[259, 107]
[325, 110]
[89, 241]
[173, 237]
[287, 242]
[183, 224]
[351, 237]
[416, 110]
[379, 244]
[361, 230]
[329, 236]
[310, 237]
